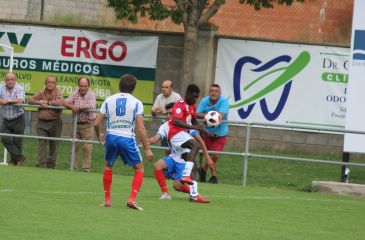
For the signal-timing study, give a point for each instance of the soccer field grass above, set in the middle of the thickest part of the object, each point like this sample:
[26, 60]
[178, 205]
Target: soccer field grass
[58, 204]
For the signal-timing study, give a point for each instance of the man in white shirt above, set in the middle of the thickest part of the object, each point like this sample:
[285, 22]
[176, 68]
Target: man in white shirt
[122, 111]
[167, 96]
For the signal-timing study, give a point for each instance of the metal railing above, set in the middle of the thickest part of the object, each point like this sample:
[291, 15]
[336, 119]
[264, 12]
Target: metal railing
[245, 154]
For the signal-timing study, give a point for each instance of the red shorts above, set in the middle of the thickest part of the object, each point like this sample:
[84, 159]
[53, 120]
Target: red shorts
[215, 143]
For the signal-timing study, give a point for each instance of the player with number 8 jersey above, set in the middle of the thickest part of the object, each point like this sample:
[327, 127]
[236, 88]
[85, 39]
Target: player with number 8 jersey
[123, 111]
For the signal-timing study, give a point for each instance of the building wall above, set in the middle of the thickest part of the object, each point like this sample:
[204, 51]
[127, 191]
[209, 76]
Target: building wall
[318, 21]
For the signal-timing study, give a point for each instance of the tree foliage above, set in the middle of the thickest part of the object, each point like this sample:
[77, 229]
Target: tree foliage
[191, 13]
[179, 10]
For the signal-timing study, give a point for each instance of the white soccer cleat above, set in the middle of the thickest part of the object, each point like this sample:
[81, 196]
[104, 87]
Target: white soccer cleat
[165, 196]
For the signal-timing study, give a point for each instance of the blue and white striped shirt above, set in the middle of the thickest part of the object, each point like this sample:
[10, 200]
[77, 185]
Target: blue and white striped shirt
[10, 111]
[121, 110]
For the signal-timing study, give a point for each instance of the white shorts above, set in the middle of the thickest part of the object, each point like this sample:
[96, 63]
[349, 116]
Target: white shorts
[178, 140]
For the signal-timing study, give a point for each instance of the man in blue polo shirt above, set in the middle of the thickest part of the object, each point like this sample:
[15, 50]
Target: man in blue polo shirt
[217, 137]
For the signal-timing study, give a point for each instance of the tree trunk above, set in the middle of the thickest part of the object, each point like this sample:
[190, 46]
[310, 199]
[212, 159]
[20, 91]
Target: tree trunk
[190, 41]
[192, 16]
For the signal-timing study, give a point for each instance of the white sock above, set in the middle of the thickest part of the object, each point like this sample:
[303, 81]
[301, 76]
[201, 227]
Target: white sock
[194, 189]
[188, 167]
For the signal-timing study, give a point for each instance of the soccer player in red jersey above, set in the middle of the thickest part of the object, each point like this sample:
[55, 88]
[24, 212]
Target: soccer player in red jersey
[183, 119]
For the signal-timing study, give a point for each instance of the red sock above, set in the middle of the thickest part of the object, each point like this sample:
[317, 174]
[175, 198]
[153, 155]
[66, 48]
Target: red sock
[185, 188]
[107, 181]
[161, 180]
[136, 185]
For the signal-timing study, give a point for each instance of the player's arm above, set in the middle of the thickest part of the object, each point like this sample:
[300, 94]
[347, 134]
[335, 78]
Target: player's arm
[143, 136]
[199, 139]
[97, 125]
[154, 139]
[200, 115]
[178, 122]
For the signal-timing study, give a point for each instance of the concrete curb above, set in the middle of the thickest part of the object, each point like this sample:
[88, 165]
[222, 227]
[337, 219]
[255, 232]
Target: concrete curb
[339, 188]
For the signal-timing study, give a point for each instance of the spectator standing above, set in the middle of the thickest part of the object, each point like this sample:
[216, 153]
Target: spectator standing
[123, 111]
[167, 96]
[216, 138]
[13, 117]
[49, 121]
[82, 99]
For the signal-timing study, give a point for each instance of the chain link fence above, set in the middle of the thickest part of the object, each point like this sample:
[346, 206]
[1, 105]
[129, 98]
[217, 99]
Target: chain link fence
[69, 12]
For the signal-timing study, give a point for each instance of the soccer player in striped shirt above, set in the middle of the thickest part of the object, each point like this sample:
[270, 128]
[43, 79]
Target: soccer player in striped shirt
[173, 166]
[123, 111]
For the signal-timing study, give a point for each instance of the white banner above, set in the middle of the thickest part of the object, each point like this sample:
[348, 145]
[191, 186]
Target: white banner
[355, 119]
[283, 83]
[69, 54]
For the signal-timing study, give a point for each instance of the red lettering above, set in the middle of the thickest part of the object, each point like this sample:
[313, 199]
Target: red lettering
[102, 50]
[123, 54]
[83, 45]
[65, 46]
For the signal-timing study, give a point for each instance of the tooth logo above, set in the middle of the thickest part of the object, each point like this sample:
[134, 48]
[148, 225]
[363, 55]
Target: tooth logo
[359, 45]
[285, 78]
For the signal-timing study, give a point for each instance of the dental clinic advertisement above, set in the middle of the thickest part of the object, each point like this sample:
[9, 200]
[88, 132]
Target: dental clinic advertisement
[283, 83]
[355, 119]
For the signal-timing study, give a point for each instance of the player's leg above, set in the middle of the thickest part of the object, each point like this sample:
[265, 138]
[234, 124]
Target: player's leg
[190, 159]
[194, 194]
[184, 140]
[177, 175]
[159, 173]
[181, 187]
[129, 152]
[136, 186]
[107, 182]
[111, 154]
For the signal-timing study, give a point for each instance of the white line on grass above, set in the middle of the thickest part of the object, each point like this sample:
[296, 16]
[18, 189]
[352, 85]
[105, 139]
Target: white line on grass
[211, 196]
[281, 198]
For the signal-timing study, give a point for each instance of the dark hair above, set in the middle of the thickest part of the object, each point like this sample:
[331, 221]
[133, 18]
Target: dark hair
[192, 88]
[88, 81]
[215, 85]
[127, 83]
[169, 105]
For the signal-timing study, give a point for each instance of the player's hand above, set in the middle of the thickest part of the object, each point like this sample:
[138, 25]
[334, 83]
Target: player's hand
[201, 129]
[101, 138]
[149, 155]
[210, 162]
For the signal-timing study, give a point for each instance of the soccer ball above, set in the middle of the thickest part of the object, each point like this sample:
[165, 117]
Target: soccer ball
[212, 119]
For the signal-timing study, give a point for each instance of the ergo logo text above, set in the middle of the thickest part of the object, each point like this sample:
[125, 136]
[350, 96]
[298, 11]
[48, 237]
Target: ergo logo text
[99, 49]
